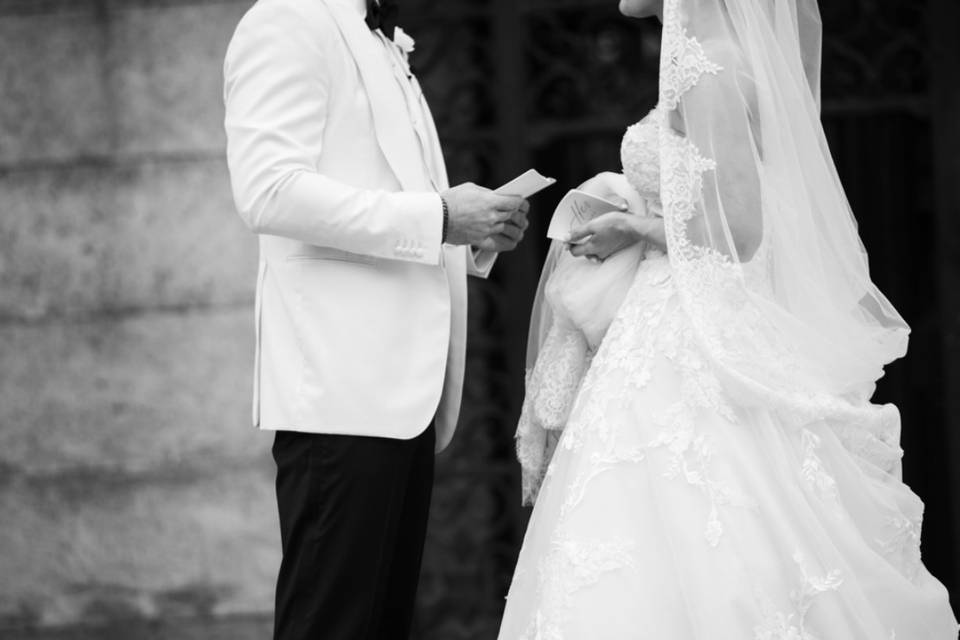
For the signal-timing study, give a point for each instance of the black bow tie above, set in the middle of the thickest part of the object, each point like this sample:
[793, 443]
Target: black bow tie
[383, 15]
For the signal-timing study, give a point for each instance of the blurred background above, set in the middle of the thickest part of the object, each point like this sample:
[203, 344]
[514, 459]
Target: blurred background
[136, 502]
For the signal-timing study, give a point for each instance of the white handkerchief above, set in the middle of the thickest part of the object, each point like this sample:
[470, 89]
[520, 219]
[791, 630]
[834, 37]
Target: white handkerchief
[526, 185]
[576, 209]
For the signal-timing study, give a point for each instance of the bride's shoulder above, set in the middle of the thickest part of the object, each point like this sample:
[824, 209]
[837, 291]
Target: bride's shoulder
[730, 68]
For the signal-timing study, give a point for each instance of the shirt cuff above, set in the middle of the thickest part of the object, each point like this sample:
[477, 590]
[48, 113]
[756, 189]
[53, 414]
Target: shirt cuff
[480, 262]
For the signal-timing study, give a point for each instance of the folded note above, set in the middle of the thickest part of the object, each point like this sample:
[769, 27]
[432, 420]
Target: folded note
[576, 209]
[526, 185]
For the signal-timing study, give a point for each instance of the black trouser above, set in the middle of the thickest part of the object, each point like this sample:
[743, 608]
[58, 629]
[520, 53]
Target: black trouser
[353, 517]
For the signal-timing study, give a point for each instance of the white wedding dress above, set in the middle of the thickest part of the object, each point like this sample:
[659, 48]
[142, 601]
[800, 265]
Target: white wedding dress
[672, 509]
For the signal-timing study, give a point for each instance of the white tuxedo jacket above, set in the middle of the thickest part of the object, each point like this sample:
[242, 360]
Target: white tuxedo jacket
[361, 311]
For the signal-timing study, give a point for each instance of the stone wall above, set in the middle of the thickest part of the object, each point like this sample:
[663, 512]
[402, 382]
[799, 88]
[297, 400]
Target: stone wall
[131, 482]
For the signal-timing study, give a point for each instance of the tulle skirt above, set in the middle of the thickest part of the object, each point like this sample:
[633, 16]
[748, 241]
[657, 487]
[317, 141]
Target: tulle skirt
[671, 512]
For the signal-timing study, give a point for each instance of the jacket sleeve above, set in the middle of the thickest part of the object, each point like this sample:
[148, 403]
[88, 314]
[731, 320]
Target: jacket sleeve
[277, 78]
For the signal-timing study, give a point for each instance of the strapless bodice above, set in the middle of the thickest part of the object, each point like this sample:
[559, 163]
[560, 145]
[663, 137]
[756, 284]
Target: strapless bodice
[640, 156]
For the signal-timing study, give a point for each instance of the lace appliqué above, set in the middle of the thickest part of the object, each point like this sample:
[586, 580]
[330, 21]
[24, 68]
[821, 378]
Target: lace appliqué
[812, 469]
[902, 547]
[780, 626]
[640, 157]
[681, 184]
[551, 389]
[558, 375]
[876, 445]
[648, 326]
[599, 463]
[683, 61]
[569, 567]
[689, 458]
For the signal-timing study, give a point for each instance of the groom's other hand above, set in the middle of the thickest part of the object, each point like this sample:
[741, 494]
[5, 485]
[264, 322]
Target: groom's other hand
[513, 230]
[484, 219]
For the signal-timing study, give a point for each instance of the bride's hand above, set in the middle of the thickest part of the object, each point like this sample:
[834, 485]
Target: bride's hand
[612, 232]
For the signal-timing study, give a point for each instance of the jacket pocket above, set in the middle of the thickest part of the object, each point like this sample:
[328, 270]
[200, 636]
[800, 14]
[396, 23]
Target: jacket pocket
[320, 254]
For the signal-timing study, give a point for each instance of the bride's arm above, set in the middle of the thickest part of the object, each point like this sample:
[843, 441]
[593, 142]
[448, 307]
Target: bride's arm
[612, 232]
[720, 116]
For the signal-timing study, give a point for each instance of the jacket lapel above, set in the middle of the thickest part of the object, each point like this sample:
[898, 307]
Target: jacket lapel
[378, 79]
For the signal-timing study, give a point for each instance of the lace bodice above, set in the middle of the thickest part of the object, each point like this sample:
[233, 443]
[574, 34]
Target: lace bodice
[640, 156]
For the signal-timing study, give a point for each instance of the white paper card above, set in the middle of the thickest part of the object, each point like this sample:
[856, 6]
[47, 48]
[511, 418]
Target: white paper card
[576, 209]
[526, 185]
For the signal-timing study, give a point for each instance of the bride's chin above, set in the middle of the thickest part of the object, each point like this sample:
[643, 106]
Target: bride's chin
[630, 9]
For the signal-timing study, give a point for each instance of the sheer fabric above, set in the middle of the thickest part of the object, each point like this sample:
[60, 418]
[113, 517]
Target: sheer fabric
[715, 469]
[576, 302]
[748, 185]
[769, 265]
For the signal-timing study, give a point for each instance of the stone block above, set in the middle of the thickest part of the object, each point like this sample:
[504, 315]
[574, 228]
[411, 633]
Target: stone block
[131, 480]
[98, 80]
[161, 548]
[52, 235]
[244, 627]
[156, 234]
[116, 397]
[178, 239]
[167, 64]
[56, 100]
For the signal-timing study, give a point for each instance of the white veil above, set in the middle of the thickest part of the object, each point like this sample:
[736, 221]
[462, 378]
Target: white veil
[762, 241]
[763, 246]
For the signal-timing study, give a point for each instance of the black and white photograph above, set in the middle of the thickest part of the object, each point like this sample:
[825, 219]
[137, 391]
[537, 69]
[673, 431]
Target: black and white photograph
[479, 319]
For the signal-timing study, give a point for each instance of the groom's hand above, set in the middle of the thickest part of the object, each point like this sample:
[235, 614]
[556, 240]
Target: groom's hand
[511, 235]
[484, 219]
